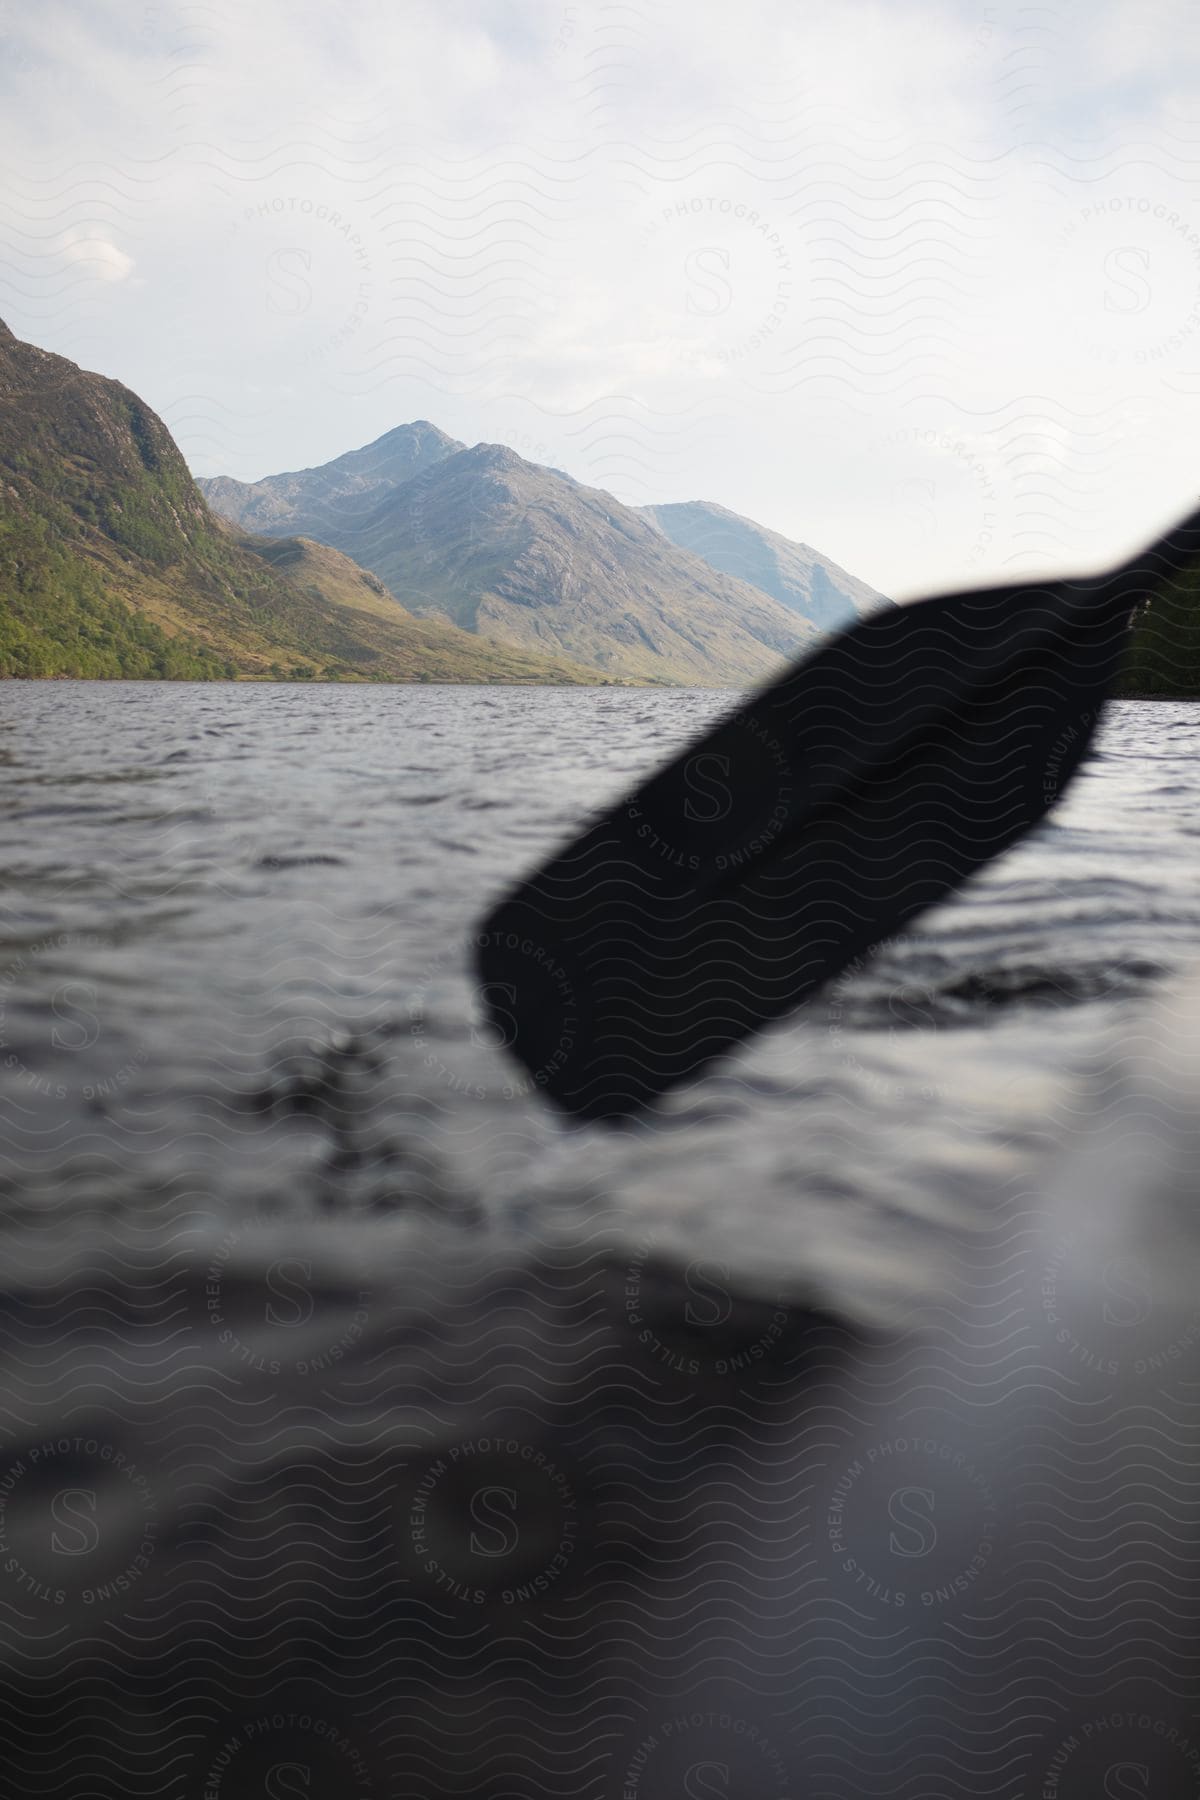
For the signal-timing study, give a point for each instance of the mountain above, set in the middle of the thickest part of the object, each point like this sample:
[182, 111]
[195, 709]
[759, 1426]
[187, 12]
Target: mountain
[412, 649]
[313, 502]
[111, 563]
[523, 555]
[796, 575]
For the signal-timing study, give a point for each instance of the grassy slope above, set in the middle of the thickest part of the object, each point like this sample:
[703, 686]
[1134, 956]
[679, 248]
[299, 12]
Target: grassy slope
[112, 565]
[59, 616]
[1164, 651]
[413, 649]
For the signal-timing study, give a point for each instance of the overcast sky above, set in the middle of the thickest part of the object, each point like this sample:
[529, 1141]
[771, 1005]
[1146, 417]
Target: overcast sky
[917, 284]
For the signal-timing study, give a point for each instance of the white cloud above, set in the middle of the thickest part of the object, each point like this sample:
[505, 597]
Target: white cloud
[95, 255]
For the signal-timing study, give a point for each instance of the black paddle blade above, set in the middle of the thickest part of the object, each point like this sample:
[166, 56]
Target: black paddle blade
[863, 787]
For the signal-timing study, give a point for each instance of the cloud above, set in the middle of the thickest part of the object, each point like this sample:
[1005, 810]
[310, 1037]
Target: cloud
[95, 255]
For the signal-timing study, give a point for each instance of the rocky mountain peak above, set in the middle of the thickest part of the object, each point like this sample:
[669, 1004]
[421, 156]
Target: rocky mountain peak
[496, 456]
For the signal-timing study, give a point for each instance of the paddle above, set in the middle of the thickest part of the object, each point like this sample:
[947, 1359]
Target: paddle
[865, 785]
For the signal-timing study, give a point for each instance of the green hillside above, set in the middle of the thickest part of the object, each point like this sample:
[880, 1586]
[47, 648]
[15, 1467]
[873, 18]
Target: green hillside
[112, 565]
[57, 619]
[1164, 646]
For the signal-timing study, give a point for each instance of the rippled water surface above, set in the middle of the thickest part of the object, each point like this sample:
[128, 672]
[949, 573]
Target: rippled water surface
[236, 965]
[366, 1429]
[236, 929]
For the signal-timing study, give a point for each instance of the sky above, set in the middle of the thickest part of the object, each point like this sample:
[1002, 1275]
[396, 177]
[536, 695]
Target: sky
[916, 284]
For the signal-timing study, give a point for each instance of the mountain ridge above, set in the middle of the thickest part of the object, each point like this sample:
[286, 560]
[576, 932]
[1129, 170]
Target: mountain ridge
[792, 572]
[398, 455]
[322, 503]
[510, 550]
[112, 565]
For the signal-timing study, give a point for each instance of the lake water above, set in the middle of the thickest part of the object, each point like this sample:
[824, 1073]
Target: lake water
[290, 1245]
